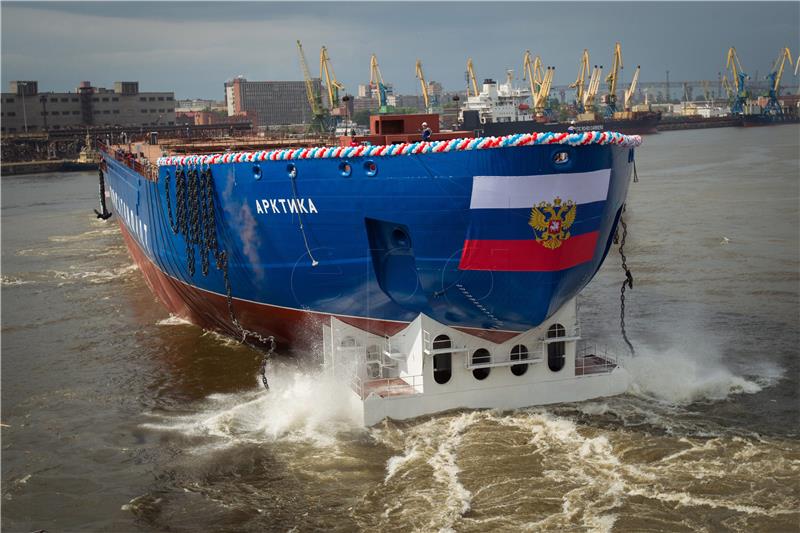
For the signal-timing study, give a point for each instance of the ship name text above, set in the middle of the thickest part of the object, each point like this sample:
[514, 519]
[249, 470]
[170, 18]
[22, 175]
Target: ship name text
[135, 224]
[265, 206]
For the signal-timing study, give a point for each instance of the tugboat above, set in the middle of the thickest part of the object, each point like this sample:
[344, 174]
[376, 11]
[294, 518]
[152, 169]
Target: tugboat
[437, 274]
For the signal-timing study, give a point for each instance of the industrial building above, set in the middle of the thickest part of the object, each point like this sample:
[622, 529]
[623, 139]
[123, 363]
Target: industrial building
[270, 103]
[25, 109]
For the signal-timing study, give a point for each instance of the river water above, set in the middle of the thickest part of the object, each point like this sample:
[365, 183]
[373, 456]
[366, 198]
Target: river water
[117, 417]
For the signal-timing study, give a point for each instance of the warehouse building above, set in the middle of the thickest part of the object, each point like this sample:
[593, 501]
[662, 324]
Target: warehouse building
[24, 109]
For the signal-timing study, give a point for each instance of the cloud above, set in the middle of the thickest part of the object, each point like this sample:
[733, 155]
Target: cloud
[192, 48]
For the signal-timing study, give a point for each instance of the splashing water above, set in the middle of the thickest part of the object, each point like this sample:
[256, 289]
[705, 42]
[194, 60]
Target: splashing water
[173, 320]
[300, 407]
[677, 377]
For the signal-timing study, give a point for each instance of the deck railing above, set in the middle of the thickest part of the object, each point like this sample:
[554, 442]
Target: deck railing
[383, 387]
[146, 169]
[591, 359]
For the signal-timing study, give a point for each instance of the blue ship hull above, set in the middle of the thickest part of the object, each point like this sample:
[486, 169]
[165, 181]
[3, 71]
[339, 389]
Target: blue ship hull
[377, 247]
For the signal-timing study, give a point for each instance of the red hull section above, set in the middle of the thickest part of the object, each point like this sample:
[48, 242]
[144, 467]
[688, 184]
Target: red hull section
[301, 329]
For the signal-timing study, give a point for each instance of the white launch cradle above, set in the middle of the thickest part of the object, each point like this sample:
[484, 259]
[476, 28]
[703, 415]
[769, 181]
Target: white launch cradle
[428, 368]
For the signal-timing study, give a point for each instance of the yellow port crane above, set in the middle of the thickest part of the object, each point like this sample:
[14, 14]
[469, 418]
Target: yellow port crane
[632, 89]
[773, 106]
[421, 77]
[727, 86]
[320, 114]
[541, 104]
[594, 86]
[736, 86]
[532, 71]
[471, 75]
[580, 82]
[331, 83]
[612, 79]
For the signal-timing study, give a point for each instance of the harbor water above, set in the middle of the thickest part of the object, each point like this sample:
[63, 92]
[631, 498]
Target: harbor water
[118, 417]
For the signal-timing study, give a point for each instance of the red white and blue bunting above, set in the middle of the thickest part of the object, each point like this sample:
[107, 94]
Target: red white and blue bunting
[421, 147]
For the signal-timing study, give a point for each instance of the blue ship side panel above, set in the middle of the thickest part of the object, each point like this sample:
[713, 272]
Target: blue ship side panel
[426, 195]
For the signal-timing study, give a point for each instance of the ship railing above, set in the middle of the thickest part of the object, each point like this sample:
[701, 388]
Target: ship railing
[387, 387]
[591, 359]
[147, 169]
[531, 356]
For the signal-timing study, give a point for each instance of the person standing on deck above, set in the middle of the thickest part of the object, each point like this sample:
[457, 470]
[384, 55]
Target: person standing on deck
[426, 132]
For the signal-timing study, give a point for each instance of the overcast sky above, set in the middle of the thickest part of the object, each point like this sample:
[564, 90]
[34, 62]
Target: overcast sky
[193, 47]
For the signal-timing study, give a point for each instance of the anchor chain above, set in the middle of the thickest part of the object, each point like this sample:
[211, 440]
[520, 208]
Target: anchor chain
[105, 214]
[196, 220]
[262, 369]
[627, 282]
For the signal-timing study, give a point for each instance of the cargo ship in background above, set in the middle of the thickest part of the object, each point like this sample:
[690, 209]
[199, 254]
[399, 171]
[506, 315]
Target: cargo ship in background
[436, 274]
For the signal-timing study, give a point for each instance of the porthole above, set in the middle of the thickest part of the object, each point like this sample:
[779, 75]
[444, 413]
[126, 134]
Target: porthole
[561, 157]
[519, 353]
[442, 362]
[291, 170]
[348, 342]
[370, 168]
[556, 350]
[256, 172]
[400, 238]
[345, 169]
[481, 356]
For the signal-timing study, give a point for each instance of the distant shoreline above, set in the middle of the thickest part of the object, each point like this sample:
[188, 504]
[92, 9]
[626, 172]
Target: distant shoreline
[34, 167]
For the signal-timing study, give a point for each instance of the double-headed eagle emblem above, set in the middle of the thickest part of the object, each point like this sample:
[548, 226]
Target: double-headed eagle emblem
[551, 222]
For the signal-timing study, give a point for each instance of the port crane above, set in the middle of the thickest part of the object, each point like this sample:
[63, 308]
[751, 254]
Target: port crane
[541, 104]
[612, 79]
[580, 83]
[591, 91]
[632, 89]
[735, 88]
[319, 121]
[331, 83]
[421, 77]
[376, 80]
[471, 76]
[532, 71]
[773, 107]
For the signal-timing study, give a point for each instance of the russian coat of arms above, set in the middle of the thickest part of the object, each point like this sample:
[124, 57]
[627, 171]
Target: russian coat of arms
[551, 222]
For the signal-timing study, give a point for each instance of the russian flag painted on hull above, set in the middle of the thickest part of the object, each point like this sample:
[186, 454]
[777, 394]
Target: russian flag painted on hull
[539, 223]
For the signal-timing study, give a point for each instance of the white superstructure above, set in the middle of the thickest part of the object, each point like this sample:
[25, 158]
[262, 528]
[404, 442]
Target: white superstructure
[428, 368]
[500, 102]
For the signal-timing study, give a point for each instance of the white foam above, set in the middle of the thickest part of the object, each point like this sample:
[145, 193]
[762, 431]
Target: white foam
[676, 377]
[446, 471]
[10, 281]
[397, 462]
[587, 463]
[225, 340]
[299, 406]
[87, 235]
[688, 500]
[173, 320]
[94, 276]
